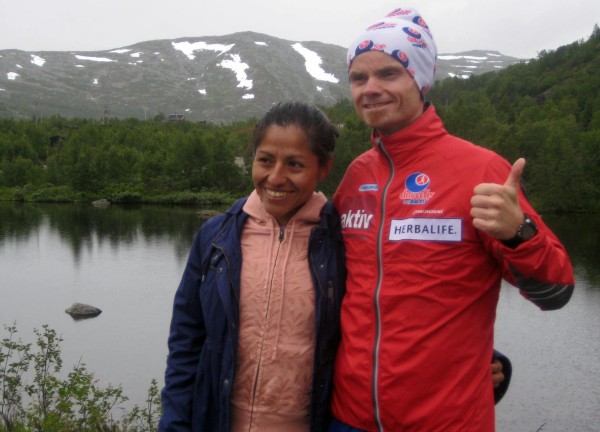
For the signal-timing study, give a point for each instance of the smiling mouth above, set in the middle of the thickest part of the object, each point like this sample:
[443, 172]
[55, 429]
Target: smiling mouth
[276, 194]
[375, 105]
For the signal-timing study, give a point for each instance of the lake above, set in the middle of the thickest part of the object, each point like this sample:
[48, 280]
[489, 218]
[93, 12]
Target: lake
[128, 260]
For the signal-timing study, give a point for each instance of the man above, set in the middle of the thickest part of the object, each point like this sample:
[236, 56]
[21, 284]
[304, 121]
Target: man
[431, 225]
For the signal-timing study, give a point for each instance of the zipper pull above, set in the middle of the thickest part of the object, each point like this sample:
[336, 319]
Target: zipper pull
[281, 233]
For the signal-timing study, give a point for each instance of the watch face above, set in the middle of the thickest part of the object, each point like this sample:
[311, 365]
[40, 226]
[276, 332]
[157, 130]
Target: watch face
[528, 230]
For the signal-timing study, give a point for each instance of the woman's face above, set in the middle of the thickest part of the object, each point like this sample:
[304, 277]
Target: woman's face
[285, 171]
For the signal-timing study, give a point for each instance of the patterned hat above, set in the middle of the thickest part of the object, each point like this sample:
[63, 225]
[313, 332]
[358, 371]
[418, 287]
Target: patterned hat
[404, 35]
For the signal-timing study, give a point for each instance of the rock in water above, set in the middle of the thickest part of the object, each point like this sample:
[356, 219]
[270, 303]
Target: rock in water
[80, 311]
[101, 203]
[205, 214]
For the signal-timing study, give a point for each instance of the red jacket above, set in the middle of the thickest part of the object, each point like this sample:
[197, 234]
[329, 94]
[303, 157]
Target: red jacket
[423, 283]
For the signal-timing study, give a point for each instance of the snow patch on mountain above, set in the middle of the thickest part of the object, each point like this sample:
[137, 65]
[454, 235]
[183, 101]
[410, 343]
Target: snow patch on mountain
[313, 64]
[236, 64]
[37, 60]
[95, 59]
[190, 48]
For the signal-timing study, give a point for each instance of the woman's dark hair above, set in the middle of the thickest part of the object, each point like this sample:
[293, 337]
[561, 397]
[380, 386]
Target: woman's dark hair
[320, 131]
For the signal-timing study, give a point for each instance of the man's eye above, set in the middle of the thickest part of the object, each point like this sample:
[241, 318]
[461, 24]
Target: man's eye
[389, 74]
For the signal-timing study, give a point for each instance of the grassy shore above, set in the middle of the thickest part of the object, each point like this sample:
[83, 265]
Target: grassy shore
[64, 194]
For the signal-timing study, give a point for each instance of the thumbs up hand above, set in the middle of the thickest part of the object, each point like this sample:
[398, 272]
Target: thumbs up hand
[495, 208]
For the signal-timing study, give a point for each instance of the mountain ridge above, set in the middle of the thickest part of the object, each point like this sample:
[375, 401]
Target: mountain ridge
[209, 78]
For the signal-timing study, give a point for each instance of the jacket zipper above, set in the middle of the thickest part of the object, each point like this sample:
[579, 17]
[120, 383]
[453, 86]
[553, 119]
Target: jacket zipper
[262, 342]
[375, 374]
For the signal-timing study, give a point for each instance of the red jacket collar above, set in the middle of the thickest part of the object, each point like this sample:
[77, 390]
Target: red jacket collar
[425, 128]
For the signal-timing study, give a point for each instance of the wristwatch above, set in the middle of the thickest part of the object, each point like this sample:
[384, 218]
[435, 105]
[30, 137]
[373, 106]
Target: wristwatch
[527, 230]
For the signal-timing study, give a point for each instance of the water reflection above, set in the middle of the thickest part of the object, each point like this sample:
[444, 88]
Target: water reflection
[18, 221]
[81, 225]
[581, 236]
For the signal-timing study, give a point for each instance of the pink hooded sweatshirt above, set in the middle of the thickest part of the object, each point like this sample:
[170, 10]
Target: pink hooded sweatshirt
[274, 366]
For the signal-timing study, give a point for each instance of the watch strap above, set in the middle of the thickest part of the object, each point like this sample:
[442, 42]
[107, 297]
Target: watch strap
[529, 226]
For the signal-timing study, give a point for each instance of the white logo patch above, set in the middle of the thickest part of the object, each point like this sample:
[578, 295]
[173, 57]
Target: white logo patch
[428, 229]
[368, 187]
[358, 219]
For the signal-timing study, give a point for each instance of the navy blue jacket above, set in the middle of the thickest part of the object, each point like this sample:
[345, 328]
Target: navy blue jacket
[203, 337]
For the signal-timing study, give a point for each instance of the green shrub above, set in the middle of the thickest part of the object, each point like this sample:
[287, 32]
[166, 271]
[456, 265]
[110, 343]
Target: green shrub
[75, 404]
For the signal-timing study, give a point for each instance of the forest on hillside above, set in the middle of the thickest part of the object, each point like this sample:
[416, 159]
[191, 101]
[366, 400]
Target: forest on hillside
[546, 110]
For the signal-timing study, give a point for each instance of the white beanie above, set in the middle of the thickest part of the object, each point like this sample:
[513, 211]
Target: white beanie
[404, 35]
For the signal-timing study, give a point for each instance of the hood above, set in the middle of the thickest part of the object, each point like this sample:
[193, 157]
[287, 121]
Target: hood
[308, 213]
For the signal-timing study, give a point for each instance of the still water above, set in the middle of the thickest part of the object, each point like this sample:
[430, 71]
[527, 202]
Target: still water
[127, 261]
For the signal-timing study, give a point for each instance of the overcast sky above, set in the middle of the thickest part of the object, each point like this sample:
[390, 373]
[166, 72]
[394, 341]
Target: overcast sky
[520, 28]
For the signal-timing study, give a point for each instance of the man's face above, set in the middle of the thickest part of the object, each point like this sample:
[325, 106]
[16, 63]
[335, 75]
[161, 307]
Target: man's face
[384, 94]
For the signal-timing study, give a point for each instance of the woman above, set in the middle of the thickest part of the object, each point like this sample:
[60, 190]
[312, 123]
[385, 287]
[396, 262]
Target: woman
[255, 322]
